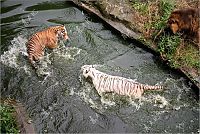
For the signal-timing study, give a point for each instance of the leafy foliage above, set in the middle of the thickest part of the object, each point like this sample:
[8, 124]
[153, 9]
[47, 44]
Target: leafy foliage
[8, 123]
[167, 46]
[141, 7]
[165, 7]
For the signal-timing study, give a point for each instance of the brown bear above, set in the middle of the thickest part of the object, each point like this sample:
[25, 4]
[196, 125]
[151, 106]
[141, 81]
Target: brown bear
[186, 21]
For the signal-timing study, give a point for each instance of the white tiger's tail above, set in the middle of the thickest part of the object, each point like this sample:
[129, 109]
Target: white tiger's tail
[156, 87]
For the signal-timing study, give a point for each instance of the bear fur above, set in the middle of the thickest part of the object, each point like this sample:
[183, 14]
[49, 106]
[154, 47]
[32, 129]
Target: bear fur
[187, 22]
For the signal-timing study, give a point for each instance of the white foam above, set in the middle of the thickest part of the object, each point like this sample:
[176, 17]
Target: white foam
[15, 54]
[136, 104]
[107, 102]
[95, 119]
[84, 93]
[160, 101]
[69, 53]
[18, 46]
[45, 114]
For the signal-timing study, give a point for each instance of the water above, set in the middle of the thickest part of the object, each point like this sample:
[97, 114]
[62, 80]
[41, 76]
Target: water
[62, 101]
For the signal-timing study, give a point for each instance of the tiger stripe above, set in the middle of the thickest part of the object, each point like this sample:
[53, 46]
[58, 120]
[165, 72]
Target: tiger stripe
[107, 83]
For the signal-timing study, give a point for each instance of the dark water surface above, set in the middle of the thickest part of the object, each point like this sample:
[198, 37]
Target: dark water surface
[65, 102]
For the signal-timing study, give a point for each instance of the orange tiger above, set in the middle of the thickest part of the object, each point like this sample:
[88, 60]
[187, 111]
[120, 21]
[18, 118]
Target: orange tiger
[107, 83]
[47, 38]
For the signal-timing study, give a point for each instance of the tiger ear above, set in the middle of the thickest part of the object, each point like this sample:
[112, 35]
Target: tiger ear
[56, 31]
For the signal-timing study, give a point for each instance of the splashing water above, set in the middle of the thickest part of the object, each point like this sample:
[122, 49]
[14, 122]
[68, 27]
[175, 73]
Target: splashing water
[16, 56]
[18, 47]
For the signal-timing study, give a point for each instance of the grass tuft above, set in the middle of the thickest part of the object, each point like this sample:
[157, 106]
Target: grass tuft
[165, 8]
[167, 46]
[8, 123]
[188, 55]
[141, 7]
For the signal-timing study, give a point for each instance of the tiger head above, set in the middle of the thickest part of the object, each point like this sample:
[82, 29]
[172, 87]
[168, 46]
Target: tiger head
[61, 33]
[87, 70]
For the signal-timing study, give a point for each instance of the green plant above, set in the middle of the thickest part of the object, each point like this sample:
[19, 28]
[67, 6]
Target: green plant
[177, 53]
[141, 7]
[167, 46]
[189, 56]
[165, 8]
[8, 123]
[191, 61]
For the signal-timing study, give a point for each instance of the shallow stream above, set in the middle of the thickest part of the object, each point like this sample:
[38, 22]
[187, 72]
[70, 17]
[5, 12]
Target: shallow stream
[62, 101]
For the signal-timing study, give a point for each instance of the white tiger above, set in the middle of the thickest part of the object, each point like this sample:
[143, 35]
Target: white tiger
[107, 83]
